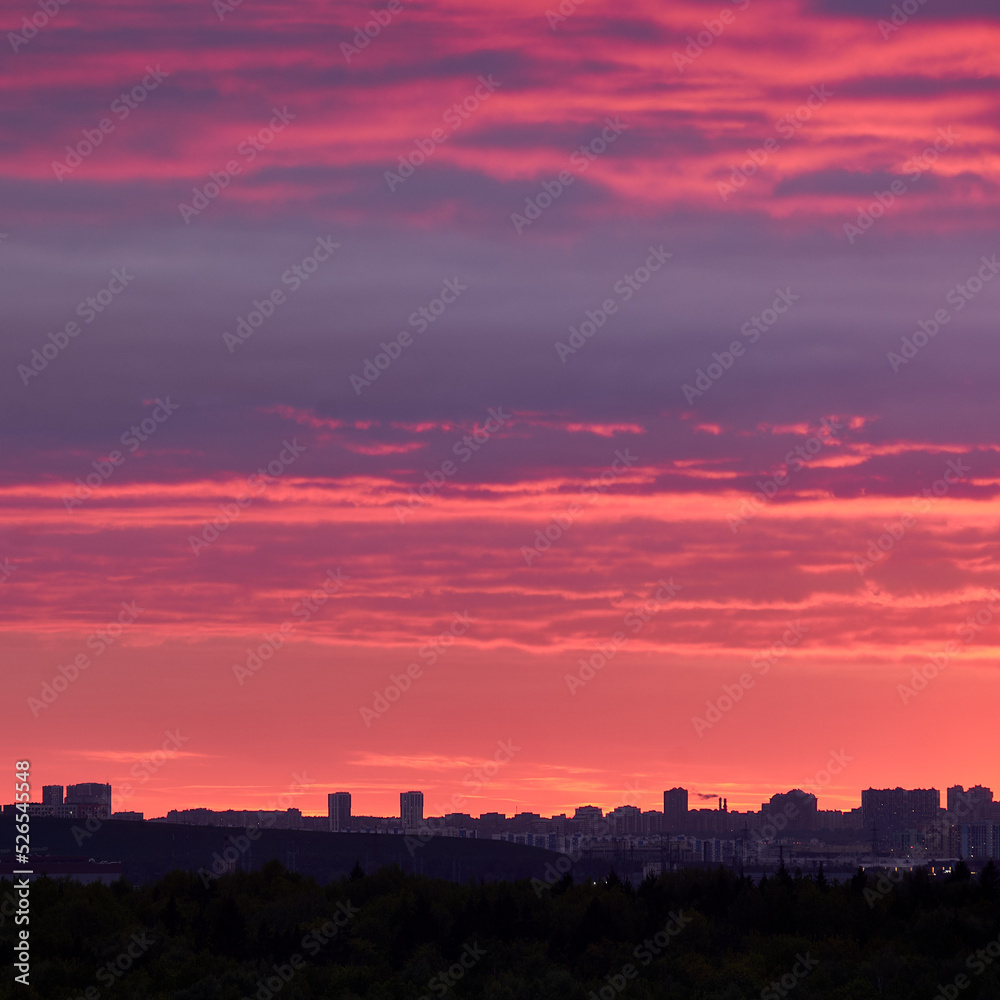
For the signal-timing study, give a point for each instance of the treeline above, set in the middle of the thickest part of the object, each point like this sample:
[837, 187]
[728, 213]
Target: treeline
[391, 936]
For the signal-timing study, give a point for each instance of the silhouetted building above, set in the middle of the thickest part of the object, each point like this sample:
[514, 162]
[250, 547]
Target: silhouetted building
[288, 819]
[90, 799]
[972, 806]
[923, 806]
[625, 820]
[797, 806]
[338, 805]
[492, 822]
[883, 812]
[714, 822]
[526, 820]
[411, 809]
[675, 809]
[893, 811]
[52, 795]
[588, 817]
[59, 812]
[980, 841]
[652, 822]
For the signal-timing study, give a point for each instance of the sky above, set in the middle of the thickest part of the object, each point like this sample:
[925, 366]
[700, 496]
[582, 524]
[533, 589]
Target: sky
[536, 406]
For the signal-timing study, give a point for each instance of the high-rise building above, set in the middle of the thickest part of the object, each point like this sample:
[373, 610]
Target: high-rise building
[980, 841]
[895, 810]
[675, 809]
[411, 809]
[625, 820]
[590, 817]
[972, 806]
[339, 809]
[52, 795]
[923, 806]
[955, 799]
[652, 822]
[90, 798]
[883, 810]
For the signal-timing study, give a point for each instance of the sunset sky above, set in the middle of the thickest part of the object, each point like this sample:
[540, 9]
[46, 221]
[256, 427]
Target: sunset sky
[591, 208]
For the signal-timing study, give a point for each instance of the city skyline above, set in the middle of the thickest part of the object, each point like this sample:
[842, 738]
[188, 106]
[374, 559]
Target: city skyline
[897, 821]
[303, 797]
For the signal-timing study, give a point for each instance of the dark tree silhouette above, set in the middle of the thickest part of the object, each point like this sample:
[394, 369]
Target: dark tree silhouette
[961, 873]
[989, 880]
[692, 934]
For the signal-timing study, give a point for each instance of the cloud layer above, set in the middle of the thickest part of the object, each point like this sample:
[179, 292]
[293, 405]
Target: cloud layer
[727, 274]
